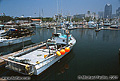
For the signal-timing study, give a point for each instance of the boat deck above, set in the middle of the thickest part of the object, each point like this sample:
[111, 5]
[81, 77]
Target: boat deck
[14, 53]
[37, 55]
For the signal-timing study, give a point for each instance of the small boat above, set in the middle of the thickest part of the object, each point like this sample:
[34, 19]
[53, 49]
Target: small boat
[70, 26]
[91, 24]
[2, 29]
[107, 23]
[37, 60]
[97, 29]
[114, 26]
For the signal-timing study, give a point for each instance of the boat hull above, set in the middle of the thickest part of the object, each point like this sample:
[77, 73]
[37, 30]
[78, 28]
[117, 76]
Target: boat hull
[51, 61]
[14, 41]
[56, 59]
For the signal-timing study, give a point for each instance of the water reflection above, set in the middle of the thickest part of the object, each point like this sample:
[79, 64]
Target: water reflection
[8, 49]
[90, 34]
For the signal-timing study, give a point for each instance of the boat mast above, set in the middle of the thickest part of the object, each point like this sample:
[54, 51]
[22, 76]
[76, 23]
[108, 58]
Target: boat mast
[23, 43]
[39, 16]
[67, 33]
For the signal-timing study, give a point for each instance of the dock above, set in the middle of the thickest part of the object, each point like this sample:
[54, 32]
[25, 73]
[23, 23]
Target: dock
[27, 48]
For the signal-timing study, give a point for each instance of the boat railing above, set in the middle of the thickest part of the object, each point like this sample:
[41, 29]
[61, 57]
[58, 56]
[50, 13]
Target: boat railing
[29, 49]
[34, 45]
[18, 67]
[46, 61]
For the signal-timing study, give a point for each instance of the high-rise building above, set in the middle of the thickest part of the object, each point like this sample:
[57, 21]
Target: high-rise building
[118, 12]
[108, 11]
[101, 14]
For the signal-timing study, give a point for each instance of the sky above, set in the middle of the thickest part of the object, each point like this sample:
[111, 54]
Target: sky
[49, 7]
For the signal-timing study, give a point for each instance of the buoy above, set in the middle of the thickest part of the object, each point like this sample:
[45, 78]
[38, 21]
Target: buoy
[27, 67]
[45, 56]
[30, 74]
[58, 53]
[62, 51]
[67, 49]
[38, 62]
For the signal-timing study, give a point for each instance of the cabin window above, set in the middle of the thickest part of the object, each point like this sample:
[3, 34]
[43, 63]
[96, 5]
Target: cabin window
[63, 40]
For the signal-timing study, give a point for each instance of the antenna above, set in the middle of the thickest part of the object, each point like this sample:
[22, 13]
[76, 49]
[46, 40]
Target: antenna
[39, 15]
[57, 11]
[42, 13]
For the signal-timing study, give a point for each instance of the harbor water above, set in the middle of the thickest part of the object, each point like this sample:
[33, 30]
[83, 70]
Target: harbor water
[95, 53]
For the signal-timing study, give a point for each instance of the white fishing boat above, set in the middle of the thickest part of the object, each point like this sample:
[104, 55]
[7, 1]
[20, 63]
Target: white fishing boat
[107, 23]
[92, 24]
[14, 36]
[114, 24]
[70, 26]
[37, 60]
[2, 29]
[97, 29]
[12, 41]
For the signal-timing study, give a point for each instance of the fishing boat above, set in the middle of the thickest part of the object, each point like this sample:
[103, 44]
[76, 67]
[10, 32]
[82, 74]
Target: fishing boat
[114, 24]
[70, 26]
[37, 60]
[2, 29]
[15, 36]
[107, 22]
[92, 24]
[97, 29]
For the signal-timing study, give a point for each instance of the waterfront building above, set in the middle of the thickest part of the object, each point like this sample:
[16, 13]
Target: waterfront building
[92, 15]
[79, 16]
[108, 11]
[118, 12]
[113, 16]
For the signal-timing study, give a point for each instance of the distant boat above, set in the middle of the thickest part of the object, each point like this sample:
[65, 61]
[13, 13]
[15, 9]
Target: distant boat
[36, 23]
[97, 29]
[92, 24]
[107, 23]
[2, 29]
[114, 25]
[70, 26]
[14, 36]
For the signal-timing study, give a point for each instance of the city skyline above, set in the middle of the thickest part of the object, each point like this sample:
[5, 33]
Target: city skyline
[68, 7]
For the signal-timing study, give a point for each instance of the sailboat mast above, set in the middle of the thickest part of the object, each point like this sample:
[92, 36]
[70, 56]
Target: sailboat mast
[57, 12]
[39, 15]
